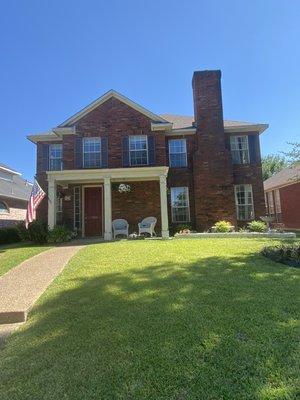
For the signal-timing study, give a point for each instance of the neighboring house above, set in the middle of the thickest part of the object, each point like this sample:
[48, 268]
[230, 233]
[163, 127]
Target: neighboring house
[182, 170]
[282, 195]
[14, 195]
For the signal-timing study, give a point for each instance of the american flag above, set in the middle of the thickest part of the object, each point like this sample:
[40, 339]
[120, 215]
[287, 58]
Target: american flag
[37, 195]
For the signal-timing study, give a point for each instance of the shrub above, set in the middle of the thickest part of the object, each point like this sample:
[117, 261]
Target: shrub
[222, 226]
[9, 235]
[257, 226]
[22, 231]
[38, 231]
[60, 234]
[285, 253]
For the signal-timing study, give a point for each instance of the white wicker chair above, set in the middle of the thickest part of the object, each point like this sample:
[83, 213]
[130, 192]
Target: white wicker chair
[147, 226]
[120, 227]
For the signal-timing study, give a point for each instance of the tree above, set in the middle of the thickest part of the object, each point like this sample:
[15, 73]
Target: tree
[271, 164]
[293, 155]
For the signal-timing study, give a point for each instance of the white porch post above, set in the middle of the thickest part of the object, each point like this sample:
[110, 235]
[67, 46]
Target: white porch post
[51, 203]
[107, 209]
[164, 207]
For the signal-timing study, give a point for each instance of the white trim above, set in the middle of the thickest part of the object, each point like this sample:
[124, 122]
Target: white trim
[246, 204]
[162, 126]
[46, 137]
[12, 171]
[238, 150]
[131, 173]
[183, 131]
[108, 95]
[246, 128]
[82, 210]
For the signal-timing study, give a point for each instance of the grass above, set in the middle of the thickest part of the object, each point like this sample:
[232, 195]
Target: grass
[13, 254]
[202, 319]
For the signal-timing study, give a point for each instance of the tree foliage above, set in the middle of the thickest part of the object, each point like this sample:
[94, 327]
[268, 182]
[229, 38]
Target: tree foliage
[271, 164]
[293, 156]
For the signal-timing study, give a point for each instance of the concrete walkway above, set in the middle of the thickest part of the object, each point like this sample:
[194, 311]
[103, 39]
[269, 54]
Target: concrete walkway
[22, 286]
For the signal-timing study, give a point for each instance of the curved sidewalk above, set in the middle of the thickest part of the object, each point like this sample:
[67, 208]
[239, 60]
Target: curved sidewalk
[23, 285]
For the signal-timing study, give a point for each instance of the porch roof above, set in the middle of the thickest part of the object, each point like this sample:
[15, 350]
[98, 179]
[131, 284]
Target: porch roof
[115, 174]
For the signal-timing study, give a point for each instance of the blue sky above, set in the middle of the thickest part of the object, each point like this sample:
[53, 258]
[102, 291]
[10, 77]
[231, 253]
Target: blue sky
[57, 56]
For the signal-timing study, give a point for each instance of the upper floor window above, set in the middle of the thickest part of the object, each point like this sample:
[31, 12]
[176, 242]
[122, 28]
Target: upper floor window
[239, 149]
[180, 204]
[3, 208]
[244, 202]
[55, 157]
[177, 153]
[91, 152]
[138, 150]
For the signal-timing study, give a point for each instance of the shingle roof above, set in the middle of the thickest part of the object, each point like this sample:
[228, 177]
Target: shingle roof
[16, 187]
[186, 121]
[287, 176]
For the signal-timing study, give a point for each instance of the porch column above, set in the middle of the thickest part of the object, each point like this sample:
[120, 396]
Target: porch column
[164, 207]
[107, 209]
[51, 203]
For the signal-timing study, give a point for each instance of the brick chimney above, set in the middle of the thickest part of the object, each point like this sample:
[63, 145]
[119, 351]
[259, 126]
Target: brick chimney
[213, 176]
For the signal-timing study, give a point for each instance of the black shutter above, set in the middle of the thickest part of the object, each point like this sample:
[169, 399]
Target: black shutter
[78, 152]
[252, 141]
[125, 148]
[151, 150]
[45, 156]
[104, 153]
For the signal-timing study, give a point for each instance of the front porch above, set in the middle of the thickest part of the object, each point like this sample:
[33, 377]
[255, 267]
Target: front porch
[148, 197]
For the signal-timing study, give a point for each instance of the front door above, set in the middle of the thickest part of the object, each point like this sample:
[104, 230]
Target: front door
[93, 211]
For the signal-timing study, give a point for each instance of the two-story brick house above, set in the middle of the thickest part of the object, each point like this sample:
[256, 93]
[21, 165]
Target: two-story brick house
[180, 169]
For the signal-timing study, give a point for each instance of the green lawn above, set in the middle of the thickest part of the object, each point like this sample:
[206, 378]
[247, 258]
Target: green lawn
[14, 254]
[182, 319]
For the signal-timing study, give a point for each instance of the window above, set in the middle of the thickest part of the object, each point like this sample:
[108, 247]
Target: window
[180, 204]
[77, 208]
[59, 210]
[55, 157]
[3, 208]
[138, 150]
[239, 149]
[91, 152]
[271, 203]
[244, 202]
[177, 153]
[277, 201]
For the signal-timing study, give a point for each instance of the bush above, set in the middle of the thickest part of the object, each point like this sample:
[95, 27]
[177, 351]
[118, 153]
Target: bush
[9, 235]
[222, 226]
[60, 234]
[285, 253]
[257, 226]
[22, 231]
[38, 231]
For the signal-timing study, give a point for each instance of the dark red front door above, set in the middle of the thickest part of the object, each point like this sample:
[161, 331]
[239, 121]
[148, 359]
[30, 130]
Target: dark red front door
[93, 211]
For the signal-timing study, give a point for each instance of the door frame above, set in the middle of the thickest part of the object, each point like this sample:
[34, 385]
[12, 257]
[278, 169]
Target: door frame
[83, 205]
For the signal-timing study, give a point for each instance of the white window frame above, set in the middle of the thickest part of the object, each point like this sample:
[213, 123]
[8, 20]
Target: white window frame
[5, 210]
[86, 139]
[51, 146]
[247, 204]
[271, 203]
[277, 201]
[236, 150]
[185, 152]
[186, 189]
[134, 150]
[77, 208]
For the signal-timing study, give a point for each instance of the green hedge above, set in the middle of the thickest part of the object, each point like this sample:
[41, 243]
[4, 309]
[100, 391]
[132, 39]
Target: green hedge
[9, 235]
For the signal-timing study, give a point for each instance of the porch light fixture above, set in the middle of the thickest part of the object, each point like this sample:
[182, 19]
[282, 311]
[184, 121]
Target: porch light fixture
[124, 188]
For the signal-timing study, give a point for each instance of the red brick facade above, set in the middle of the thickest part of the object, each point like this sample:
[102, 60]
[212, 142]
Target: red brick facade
[210, 174]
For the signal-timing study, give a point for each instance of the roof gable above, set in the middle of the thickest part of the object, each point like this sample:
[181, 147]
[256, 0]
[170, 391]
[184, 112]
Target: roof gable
[103, 99]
